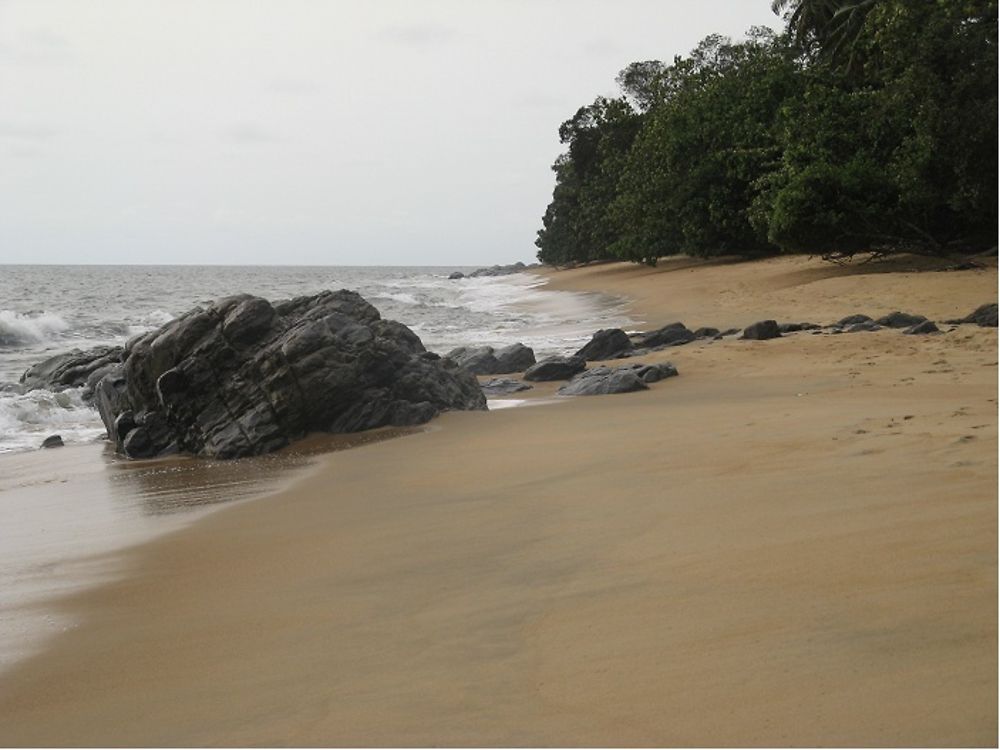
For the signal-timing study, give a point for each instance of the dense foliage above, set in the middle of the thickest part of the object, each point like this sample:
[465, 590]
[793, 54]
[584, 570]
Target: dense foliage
[868, 125]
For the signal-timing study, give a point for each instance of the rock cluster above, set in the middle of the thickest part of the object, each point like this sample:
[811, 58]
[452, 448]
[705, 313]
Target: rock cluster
[601, 381]
[485, 360]
[245, 376]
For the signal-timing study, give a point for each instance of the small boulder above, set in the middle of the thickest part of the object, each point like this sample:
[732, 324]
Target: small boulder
[514, 358]
[795, 327]
[762, 330]
[851, 320]
[653, 373]
[926, 326]
[555, 368]
[479, 360]
[864, 325]
[456, 275]
[900, 320]
[608, 343]
[601, 381]
[672, 334]
[53, 441]
[706, 333]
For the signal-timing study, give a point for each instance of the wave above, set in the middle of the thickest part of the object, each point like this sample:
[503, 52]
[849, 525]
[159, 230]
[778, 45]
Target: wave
[19, 329]
[27, 419]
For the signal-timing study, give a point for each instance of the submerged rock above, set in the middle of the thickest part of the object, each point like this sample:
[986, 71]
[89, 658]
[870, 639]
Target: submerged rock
[456, 275]
[555, 368]
[245, 376]
[53, 441]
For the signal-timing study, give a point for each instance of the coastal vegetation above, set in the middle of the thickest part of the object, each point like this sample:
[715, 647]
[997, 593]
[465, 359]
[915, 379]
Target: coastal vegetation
[863, 126]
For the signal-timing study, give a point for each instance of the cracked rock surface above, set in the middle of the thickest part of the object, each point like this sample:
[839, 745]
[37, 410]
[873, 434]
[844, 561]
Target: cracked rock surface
[245, 376]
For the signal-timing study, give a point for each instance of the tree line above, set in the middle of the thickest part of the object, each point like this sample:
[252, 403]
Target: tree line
[864, 126]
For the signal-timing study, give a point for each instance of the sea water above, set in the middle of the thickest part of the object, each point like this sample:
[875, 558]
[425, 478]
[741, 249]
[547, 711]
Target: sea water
[46, 310]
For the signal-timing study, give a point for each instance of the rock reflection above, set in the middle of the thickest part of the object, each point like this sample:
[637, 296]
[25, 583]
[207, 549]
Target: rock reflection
[181, 483]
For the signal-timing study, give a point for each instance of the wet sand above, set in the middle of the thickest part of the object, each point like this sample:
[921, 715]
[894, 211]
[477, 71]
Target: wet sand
[792, 543]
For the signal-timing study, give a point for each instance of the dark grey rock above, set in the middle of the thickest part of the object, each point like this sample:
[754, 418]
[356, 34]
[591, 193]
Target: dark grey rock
[730, 332]
[479, 360]
[864, 325]
[795, 327]
[608, 343]
[602, 381]
[498, 270]
[672, 334]
[53, 441]
[652, 373]
[926, 326]
[244, 376]
[503, 386]
[851, 320]
[984, 315]
[900, 320]
[555, 368]
[485, 360]
[456, 275]
[514, 358]
[706, 333]
[72, 370]
[762, 330]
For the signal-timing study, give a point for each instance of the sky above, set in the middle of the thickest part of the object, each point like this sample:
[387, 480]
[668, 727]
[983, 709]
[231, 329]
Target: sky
[306, 132]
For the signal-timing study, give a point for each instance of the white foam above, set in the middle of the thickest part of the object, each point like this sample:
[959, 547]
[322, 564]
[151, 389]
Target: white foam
[27, 419]
[17, 329]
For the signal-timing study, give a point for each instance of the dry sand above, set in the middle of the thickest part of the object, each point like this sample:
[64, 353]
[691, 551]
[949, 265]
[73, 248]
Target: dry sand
[792, 543]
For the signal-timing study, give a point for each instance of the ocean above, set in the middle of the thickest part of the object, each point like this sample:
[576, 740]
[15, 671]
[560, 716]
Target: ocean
[45, 310]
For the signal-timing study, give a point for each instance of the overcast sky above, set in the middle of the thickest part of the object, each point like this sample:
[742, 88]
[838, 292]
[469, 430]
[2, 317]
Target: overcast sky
[284, 132]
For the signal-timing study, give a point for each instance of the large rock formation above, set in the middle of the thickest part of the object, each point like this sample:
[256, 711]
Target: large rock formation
[244, 377]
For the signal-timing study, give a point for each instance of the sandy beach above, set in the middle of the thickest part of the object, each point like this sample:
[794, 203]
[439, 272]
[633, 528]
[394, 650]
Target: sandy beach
[794, 542]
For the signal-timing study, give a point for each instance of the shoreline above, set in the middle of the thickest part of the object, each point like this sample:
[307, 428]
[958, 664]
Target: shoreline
[791, 543]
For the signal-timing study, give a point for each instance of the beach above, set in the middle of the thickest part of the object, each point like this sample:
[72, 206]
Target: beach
[794, 542]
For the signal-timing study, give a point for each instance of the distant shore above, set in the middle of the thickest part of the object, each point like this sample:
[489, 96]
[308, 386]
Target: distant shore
[791, 543]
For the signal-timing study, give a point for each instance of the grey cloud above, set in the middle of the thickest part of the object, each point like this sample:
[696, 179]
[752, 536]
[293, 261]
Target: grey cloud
[602, 46]
[24, 132]
[249, 133]
[40, 45]
[294, 86]
[417, 34]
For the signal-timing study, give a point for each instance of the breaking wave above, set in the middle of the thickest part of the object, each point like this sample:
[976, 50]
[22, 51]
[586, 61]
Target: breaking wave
[19, 329]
